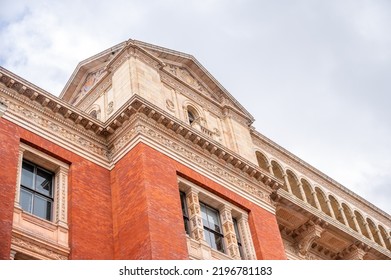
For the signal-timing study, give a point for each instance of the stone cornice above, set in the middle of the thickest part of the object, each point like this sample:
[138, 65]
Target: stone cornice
[321, 178]
[48, 101]
[281, 196]
[66, 115]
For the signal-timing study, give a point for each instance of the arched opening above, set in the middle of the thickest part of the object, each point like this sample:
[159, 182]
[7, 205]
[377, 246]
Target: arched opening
[262, 161]
[361, 224]
[385, 238]
[277, 171]
[349, 216]
[192, 115]
[372, 228]
[335, 206]
[294, 183]
[308, 192]
[94, 114]
[322, 201]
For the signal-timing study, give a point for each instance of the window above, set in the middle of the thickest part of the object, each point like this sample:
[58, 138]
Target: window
[36, 190]
[212, 227]
[185, 213]
[191, 117]
[235, 222]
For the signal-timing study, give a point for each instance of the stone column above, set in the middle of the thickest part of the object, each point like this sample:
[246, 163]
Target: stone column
[330, 208]
[288, 186]
[196, 225]
[229, 232]
[300, 185]
[345, 220]
[245, 236]
[270, 167]
[316, 200]
[380, 238]
[369, 231]
[19, 177]
[356, 224]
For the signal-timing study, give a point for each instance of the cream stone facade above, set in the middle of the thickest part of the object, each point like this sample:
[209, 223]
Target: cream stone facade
[136, 92]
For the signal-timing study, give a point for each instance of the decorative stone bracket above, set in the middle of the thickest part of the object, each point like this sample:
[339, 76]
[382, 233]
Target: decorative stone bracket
[308, 233]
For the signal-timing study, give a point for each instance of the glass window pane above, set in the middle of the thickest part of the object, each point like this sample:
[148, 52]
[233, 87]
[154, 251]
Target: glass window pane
[43, 183]
[204, 216]
[26, 199]
[209, 239]
[27, 175]
[218, 241]
[42, 207]
[214, 221]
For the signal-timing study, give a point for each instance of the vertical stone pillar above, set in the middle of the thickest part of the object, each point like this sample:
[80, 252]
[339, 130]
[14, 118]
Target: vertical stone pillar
[288, 186]
[369, 231]
[330, 208]
[196, 225]
[61, 196]
[356, 224]
[345, 220]
[270, 167]
[300, 185]
[245, 236]
[380, 238]
[316, 200]
[229, 232]
[19, 177]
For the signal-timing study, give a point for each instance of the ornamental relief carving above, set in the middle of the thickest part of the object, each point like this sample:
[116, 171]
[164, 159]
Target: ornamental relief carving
[225, 172]
[36, 248]
[55, 128]
[184, 75]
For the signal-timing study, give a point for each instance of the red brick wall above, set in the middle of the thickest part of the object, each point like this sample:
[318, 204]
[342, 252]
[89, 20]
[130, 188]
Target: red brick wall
[148, 219]
[130, 212]
[9, 150]
[146, 181]
[89, 195]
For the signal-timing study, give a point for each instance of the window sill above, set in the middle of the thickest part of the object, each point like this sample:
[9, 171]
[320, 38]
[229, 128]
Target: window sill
[200, 250]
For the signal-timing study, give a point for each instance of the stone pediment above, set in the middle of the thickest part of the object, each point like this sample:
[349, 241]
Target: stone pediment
[89, 81]
[88, 74]
[187, 69]
[185, 76]
[182, 66]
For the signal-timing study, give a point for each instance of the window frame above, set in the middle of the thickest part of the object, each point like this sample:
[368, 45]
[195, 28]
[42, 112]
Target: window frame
[220, 204]
[36, 194]
[212, 231]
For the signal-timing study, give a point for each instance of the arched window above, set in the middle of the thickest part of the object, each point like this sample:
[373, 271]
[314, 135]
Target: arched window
[94, 114]
[192, 115]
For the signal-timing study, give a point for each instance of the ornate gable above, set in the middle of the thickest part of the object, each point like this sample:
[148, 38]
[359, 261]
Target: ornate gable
[185, 75]
[188, 70]
[88, 74]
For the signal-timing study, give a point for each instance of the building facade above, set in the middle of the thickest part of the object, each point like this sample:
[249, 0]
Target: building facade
[146, 156]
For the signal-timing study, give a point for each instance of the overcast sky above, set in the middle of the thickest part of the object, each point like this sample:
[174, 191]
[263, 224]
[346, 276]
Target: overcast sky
[314, 74]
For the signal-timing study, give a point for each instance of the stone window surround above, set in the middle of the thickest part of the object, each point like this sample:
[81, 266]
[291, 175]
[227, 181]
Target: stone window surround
[227, 211]
[56, 230]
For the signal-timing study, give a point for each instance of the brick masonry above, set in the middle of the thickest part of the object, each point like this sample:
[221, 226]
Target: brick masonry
[130, 212]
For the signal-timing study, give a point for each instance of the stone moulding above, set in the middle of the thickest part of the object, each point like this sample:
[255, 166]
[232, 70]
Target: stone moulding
[331, 222]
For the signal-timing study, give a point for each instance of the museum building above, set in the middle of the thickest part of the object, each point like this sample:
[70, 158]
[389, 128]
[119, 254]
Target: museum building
[145, 155]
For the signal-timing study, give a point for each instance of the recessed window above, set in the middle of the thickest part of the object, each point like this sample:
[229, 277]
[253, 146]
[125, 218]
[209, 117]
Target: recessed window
[212, 227]
[36, 190]
[235, 222]
[185, 212]
[191, 117]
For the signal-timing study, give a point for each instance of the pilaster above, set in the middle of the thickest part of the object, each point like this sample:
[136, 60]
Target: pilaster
[229, 232]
